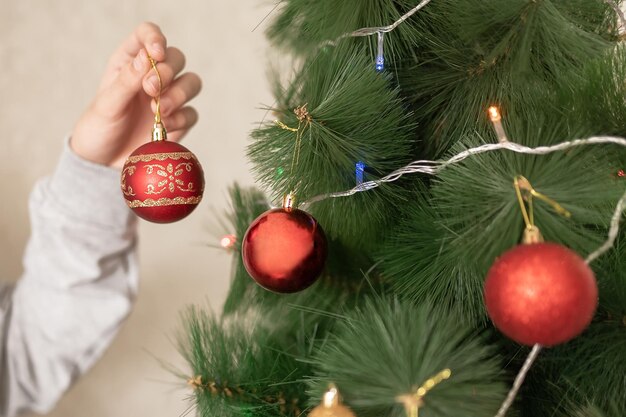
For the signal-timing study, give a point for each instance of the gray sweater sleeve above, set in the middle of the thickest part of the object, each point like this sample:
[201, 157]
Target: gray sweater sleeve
[80, 280]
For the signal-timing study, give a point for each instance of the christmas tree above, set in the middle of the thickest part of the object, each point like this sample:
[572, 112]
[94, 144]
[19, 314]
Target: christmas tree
[382, 136]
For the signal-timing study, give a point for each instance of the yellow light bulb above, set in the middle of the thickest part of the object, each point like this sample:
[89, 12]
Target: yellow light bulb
[494, 114]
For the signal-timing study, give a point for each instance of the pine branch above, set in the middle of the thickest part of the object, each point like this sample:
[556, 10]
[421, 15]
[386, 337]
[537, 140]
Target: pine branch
[239, 367]
[352, 115]
[302, 26]
[386, 349]
[474, 53]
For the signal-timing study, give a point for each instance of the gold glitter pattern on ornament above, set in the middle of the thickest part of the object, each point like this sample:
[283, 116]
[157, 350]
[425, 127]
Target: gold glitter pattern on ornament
[161, 156]
[127, 189]
[164, 202]
[170, 179]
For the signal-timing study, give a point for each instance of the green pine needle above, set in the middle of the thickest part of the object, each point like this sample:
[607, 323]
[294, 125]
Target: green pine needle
[611, 276]
[591, 410]
[420, 267]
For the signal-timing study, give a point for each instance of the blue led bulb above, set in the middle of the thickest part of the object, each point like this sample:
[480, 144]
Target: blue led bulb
[380, 63]
[380, 57]
[360, 170]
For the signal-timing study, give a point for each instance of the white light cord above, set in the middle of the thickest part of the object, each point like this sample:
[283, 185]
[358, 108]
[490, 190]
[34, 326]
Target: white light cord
[434, 167]
[377, 29]
[613, 231]
[519, 379]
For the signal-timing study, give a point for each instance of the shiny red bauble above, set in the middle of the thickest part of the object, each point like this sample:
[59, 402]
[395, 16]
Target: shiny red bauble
[162, 181]
[284, 250]
[541, 293]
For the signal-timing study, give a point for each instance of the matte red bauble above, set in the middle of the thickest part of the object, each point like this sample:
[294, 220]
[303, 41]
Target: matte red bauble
[162, 181]
[284, 250]
[541, 293]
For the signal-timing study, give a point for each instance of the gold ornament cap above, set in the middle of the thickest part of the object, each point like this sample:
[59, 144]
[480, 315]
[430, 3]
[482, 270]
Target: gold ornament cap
[289, 200]
[331, 406]
[158, 132]
[532, 235]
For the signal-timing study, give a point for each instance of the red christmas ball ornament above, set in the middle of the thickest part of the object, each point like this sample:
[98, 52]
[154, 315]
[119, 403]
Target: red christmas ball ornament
[540, 293]
[162, 181]
[284, 250]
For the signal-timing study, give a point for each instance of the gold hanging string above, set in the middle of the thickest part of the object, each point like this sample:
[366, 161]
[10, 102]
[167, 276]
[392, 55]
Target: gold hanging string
[531, 232]
[520, 199]
[522, 184]
[304, 120]
[157, 99]
[412, 402]
[285, 127]
[158, 130]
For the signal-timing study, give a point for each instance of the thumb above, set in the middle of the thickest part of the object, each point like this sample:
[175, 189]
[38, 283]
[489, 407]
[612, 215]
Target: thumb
[126, 85]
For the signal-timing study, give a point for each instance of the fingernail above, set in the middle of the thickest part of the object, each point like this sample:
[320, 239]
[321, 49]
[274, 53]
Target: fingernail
[139, 60]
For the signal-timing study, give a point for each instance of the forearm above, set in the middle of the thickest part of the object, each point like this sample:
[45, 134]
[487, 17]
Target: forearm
[79, 283]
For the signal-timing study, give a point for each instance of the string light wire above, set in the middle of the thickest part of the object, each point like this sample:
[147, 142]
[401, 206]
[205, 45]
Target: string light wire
[613, 231]
[519, 380]
[434, 167]
[369, 31]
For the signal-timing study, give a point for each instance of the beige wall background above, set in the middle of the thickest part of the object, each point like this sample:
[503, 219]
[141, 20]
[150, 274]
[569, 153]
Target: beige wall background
[52, 54]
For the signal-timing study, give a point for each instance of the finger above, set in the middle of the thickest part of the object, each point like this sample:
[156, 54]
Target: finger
[116, 96]
[147, 35]
[183, 119]
[183, 89]
[173, 64]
